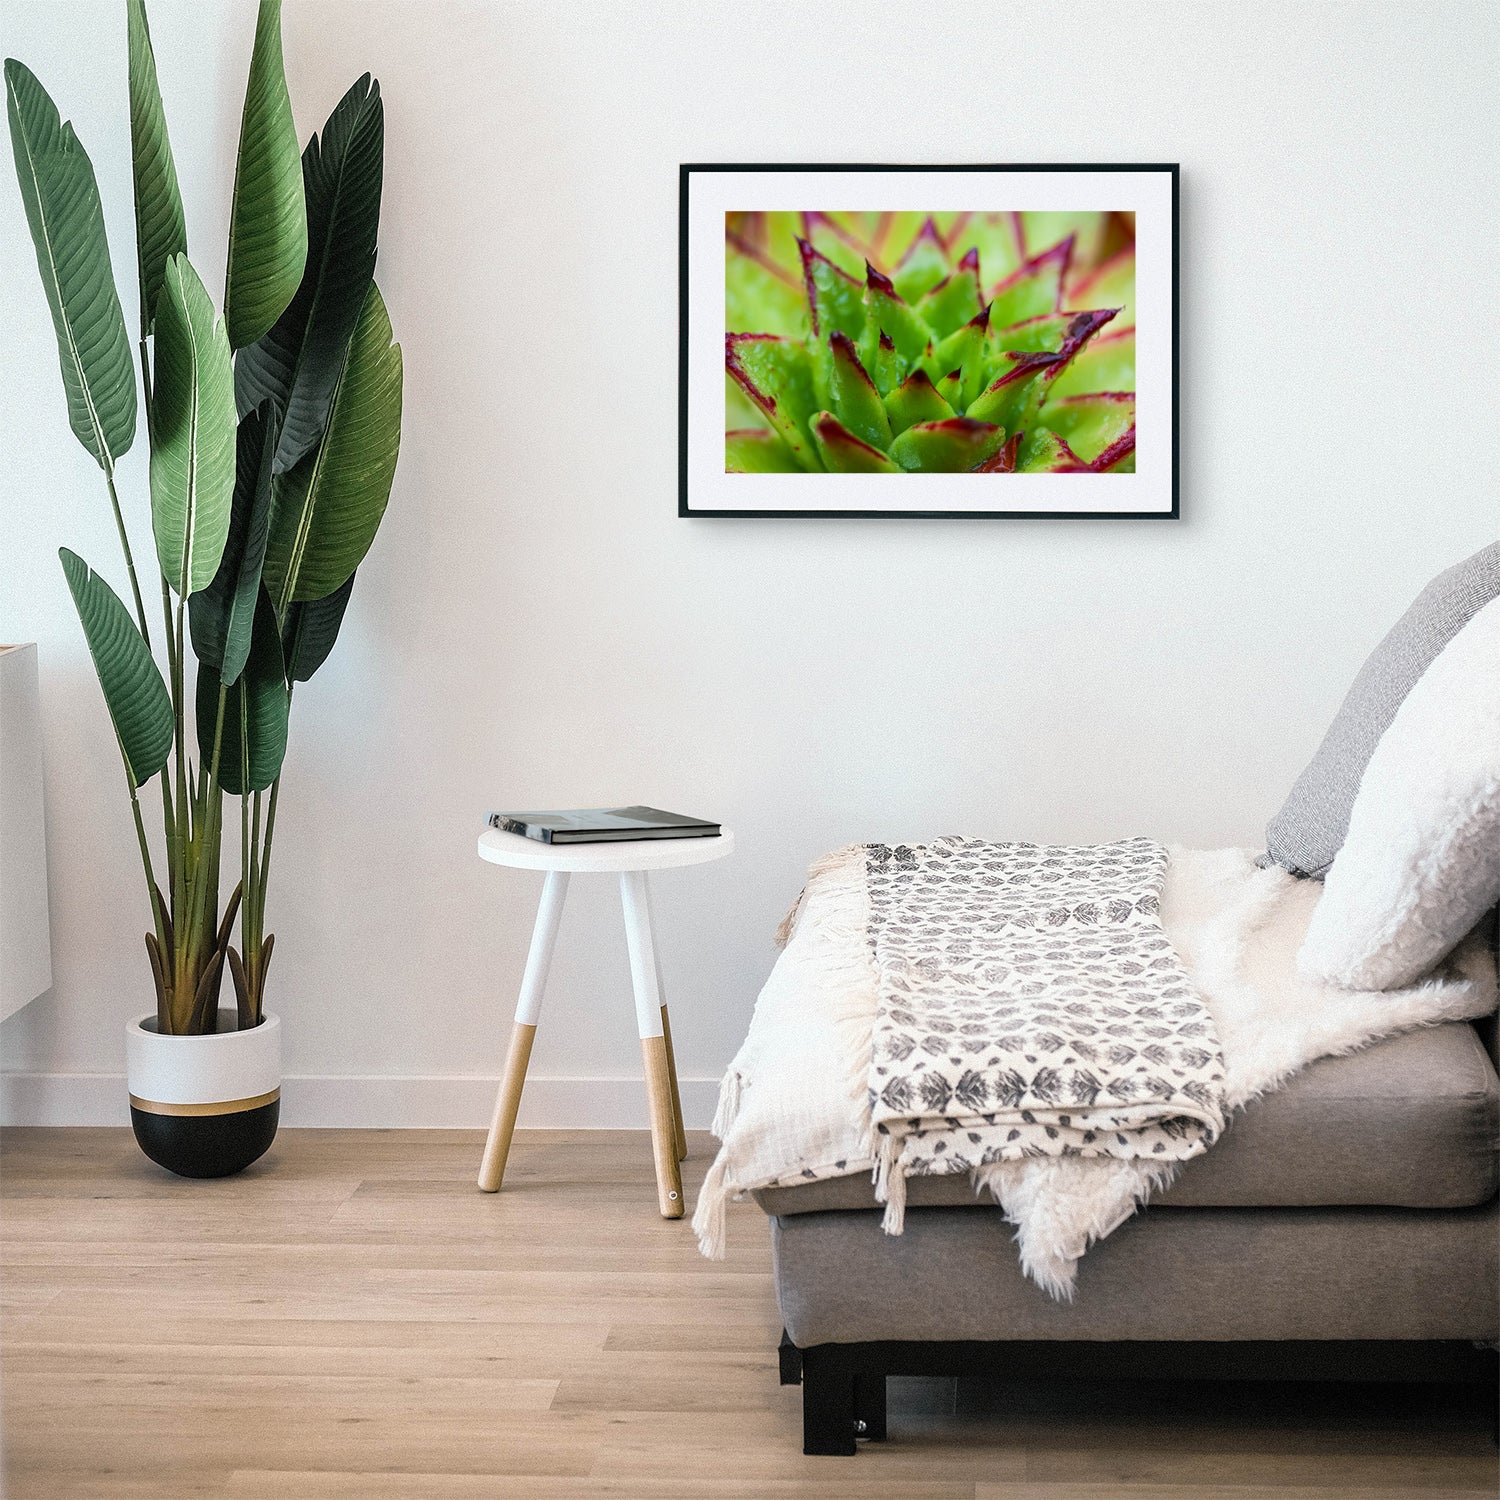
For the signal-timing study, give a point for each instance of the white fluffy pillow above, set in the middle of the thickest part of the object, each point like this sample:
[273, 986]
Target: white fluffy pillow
[1421, 863]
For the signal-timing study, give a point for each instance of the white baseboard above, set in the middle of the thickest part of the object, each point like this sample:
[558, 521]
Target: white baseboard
[460, 1101]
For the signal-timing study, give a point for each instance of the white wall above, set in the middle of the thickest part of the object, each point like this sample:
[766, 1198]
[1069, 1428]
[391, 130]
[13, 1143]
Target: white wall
[536, 627]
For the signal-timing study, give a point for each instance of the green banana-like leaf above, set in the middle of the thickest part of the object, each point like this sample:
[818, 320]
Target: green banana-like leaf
[268, 222]
[252, 733]
[298, 363]
[192, 432]
[133, 690]
[72, 254]
[325, 513]
[160, 229]
[311, 629]
[223, 614]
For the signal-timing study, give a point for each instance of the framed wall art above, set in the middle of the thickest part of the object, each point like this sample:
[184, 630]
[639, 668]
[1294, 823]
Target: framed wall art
[995, 341]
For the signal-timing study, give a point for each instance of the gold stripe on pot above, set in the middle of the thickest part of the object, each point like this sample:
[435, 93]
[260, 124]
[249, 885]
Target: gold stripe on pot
[218, 1107]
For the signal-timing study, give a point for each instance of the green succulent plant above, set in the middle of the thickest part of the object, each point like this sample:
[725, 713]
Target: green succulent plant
[903, 343]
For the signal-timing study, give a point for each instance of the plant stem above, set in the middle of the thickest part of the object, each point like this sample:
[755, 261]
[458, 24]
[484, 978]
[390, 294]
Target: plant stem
[163, 1016]
[135, 588]
[265, 852]
[168, 818]
[264, 876]
[247, 889]
[140, 834]
[185, 835]
[252, 931]
[208, 806]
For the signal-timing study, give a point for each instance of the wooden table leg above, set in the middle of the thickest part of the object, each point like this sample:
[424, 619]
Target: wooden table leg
[648, 1014]
[679, 1129]
[528, 1010]
[663, 1136]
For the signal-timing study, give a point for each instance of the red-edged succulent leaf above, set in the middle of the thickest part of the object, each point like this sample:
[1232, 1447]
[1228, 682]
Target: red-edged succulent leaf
[834, 298]
[887, 365]
[924, 264]
[1049, 333]
[856, 402]
[757, 452]
[1043, 452]
[998, 239]
[954, 300]
[1080, 329]
[1034, 289]
[1076, 331]
[773, 234]
[1093, 235]
[842, 452]
[759, 295]
[739, 409]
[951, 389]
[841, 241]
[1082, 326]
[953, 232]
[1107, 364]
[1095, 425]
[965, 351]
[1111, 285]
[889, 314]
[776, 374]
[916, 400]
[954, 446]
[1014, 398]
[1003, 460]
[1043, 335]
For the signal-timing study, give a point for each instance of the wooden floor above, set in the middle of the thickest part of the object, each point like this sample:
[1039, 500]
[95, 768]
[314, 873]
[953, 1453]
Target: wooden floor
[352, 1318]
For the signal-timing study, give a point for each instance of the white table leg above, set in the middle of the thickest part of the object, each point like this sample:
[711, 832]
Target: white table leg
[528, 1010]
[635, 899]
[680, 1130]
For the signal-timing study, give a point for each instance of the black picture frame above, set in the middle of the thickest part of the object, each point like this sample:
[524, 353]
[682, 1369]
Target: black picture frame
[686, 509]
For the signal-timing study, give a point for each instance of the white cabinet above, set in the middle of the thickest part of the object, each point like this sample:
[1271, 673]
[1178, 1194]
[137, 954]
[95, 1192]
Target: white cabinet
[25, 935]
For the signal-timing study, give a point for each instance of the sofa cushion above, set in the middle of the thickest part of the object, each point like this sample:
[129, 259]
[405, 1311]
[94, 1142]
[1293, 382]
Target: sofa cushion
[1421, 863]
[1310, 828]
[1203, 1273]
[1411, 1122]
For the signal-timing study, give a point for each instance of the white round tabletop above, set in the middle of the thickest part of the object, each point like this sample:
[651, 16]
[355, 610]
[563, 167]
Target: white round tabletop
[501, 848]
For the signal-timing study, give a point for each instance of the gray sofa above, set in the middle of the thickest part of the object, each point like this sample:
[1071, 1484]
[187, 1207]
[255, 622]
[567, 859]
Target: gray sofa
[1346, 1225]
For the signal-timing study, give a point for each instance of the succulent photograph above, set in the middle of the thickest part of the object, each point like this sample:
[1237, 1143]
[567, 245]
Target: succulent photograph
[929, 343]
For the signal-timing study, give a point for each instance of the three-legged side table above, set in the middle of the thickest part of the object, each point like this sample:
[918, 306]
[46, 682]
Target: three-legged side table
[631, 860]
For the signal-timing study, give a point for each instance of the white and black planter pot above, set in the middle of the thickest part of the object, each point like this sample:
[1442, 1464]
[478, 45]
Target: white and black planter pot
[204, 1106]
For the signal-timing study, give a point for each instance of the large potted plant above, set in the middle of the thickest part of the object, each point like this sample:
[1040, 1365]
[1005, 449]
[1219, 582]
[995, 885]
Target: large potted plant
[273, 433]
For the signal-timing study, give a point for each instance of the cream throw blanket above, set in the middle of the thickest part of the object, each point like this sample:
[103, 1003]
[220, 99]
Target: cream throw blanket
[795, 1104]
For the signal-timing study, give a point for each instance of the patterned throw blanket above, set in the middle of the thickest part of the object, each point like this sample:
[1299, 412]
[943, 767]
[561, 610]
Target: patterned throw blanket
[1030, 1005]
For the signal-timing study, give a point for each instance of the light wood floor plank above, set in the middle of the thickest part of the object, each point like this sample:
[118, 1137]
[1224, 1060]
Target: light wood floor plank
[353, 1320]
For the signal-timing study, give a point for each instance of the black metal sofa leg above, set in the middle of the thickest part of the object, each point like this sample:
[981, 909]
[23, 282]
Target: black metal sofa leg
[869, 1407]
[828, 1401]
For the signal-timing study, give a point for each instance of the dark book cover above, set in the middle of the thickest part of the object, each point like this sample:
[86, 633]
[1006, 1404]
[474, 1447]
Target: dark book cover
[602, 825]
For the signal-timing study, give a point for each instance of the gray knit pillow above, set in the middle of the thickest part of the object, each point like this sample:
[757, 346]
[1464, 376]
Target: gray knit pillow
[1309, 830]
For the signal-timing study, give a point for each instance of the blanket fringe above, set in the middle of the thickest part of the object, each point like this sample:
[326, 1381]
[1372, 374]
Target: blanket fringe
[712, 1210]
[825, 864]
[889, 1178]
[729, 1104]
